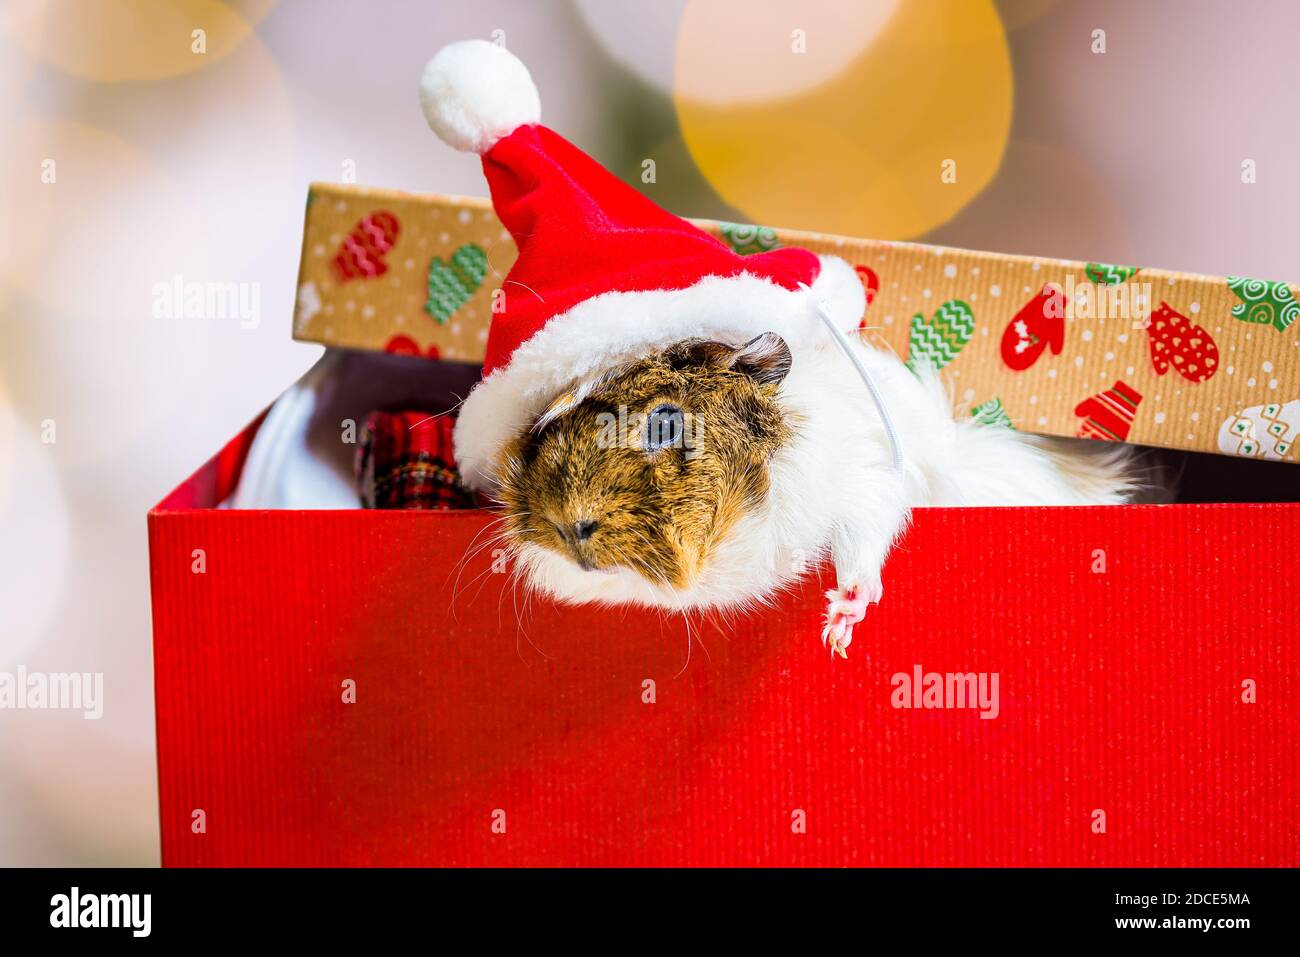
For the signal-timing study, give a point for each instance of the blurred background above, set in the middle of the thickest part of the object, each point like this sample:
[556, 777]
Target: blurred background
[137, 150]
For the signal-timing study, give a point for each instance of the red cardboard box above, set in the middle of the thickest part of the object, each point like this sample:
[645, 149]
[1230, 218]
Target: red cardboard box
[1145, 656]
[1073, 686]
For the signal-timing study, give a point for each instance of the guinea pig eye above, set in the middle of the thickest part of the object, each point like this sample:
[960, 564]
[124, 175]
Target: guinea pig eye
[664, 428]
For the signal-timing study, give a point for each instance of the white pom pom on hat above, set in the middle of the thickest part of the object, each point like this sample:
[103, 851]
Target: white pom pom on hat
[475, 92]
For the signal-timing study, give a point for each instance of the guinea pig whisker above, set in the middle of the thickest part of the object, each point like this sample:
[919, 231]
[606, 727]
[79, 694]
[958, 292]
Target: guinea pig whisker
[498, 537]
[652, 573]
[686, 618]
[482, 577]
[501, 597]
[468, 555]
[514, 561]
[475, 547]
[699, 636]
[519, 621]
[530, 592]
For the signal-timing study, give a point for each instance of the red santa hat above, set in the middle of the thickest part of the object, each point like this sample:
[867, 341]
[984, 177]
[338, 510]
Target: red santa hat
[603, 274]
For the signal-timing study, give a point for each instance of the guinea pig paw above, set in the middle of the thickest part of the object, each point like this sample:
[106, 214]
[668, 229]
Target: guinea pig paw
[845, 608]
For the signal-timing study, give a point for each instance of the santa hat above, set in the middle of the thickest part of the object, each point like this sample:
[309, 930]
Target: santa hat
[604, 274]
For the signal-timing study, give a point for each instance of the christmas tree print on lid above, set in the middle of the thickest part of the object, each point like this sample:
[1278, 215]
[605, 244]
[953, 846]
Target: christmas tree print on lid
[1262, 431]
[361, 255]
[992, 413]
[747, 240]
[1109, 415]
[1108, 274]
[1264, 302]
[1175, 339]
[1039, 325]
[452, 285]
[936, 342]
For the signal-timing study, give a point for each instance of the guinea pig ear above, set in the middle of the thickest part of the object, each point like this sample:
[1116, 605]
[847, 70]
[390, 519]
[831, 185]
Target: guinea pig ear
[765, 359]
[695, 352]
[561, 404]
[574, 396]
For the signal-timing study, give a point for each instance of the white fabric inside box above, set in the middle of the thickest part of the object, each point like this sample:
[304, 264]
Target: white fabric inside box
[301, 459]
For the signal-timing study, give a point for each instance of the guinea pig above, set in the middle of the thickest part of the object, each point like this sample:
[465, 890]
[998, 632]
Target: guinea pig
[670, 423]
[710, 475]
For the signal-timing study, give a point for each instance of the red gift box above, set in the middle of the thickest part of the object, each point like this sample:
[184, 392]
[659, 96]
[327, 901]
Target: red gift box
[348, 688]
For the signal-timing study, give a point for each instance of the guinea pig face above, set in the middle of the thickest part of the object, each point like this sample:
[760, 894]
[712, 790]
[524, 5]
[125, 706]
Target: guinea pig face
[648, 466]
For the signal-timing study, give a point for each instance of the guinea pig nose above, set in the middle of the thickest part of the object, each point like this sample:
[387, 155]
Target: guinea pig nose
[582, 530]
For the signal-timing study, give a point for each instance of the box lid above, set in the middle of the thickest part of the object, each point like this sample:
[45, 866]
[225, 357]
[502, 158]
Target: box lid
[1120, 353]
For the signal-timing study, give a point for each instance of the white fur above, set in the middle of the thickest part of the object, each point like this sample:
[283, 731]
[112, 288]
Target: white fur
[611, 328]
[834, 494]
[475, 92]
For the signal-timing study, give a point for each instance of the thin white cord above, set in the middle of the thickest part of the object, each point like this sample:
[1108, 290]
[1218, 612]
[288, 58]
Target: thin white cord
[895, 446]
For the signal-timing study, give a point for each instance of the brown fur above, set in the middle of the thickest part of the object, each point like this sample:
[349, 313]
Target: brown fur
[658, 512]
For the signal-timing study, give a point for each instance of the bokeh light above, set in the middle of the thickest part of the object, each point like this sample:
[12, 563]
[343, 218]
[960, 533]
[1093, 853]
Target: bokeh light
[855, 134]
[123, 41]
[640, 36]
[83, 202]
[1040, 188]
[32, 511]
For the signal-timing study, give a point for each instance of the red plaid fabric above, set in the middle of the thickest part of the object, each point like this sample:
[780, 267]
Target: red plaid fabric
[406, 460]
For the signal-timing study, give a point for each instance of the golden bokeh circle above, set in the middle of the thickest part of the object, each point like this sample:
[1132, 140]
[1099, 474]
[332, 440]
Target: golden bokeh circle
[125, 41]
[865, 151]
[78, 193]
